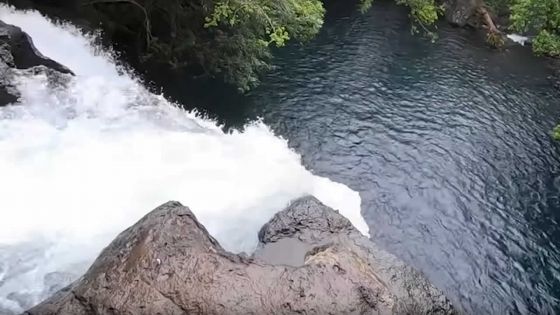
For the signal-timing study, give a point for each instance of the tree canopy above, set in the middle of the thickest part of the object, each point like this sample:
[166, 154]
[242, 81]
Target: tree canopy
[255, 25]
[261, 23]
[232, 39]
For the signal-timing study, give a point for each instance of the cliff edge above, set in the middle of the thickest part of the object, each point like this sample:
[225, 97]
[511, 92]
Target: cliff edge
[310, 260]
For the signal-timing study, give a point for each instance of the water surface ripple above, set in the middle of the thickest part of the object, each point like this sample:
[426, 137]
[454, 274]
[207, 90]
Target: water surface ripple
[448, 144]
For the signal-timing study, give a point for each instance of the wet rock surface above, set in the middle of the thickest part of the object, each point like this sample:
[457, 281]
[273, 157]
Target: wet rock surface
[310, 260]
[23, 52]
[460, 12]
[18, 52]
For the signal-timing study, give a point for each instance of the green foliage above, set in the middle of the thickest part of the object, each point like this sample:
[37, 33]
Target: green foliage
[424, 13]
[260, 23]
[527, 15]
[556, 133]
[547, 43]
[495, 39]
[232, 39]
[499, 7]
[541, 17]
[365, 5]
[273, 21]
[257, 24]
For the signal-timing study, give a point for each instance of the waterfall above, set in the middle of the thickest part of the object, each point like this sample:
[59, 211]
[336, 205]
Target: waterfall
[83, 160]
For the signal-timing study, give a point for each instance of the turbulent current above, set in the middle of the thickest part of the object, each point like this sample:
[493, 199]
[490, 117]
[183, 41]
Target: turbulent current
[81, 162]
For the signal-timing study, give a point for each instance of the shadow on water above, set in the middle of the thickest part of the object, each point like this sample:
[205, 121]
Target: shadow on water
[209, 97]
[448, 144]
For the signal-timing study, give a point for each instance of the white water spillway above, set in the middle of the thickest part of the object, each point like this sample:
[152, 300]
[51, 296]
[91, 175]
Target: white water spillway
[80, 163]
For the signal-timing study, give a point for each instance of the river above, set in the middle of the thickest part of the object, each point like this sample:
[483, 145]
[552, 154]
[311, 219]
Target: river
[448, 144]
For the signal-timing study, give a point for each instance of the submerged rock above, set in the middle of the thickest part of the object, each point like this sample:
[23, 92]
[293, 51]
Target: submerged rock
[18, 52]
[168, 263]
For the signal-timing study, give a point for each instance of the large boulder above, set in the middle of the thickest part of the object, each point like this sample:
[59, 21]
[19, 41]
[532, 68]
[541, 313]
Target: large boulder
[460, 12]
[330, 238]
[23, 52]
[310, 260]
[18, 52]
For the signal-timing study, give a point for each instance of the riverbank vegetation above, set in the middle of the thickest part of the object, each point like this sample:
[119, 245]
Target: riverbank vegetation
[541, 18]
[260, 24]
[232, 39]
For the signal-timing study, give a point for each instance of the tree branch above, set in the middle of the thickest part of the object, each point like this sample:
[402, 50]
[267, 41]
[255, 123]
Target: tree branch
[488, 20]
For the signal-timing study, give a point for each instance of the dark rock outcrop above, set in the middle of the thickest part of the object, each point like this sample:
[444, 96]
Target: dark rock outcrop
[24, 54]
[460, 12]
[167, 263]
[18, 52]
[7, 96]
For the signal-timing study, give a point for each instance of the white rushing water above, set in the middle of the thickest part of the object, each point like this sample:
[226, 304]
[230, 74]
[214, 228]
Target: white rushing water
[80, 163]
[520, 39]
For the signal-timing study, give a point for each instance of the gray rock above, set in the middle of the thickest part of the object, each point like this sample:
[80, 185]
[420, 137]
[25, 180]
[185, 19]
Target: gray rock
[8, 93]
[18, 52]
[317, 226]
[167, 263]
[459, 12]
[23, 52]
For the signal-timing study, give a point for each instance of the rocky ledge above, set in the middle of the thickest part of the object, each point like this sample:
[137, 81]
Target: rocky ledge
[310, 260]
[18, 52]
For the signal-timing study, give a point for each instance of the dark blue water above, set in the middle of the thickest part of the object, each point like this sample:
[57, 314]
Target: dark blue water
[447, 142]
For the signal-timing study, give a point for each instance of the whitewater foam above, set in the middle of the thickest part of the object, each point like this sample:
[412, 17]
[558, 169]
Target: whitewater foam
[80, 163]
[520, 39]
